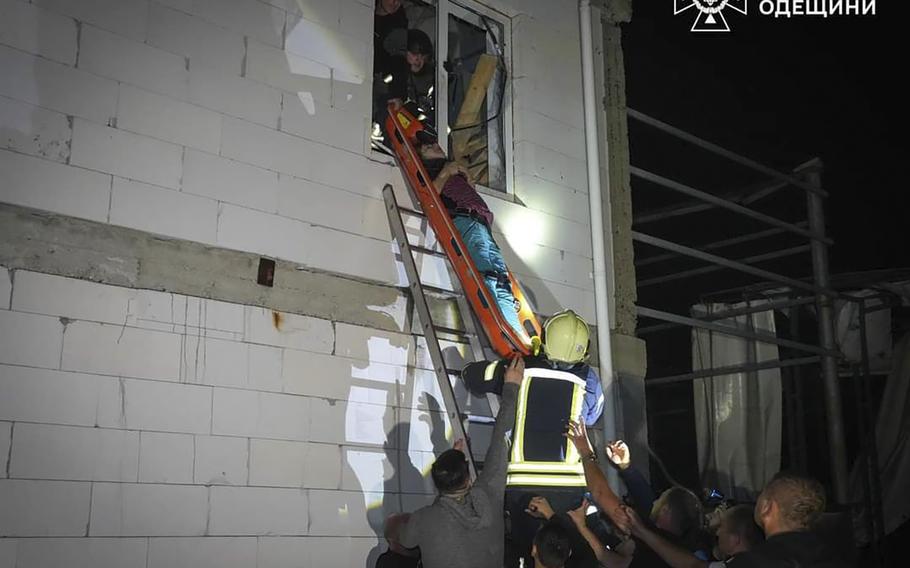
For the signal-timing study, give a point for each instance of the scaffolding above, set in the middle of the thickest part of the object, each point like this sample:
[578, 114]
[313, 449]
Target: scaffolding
[779, 290]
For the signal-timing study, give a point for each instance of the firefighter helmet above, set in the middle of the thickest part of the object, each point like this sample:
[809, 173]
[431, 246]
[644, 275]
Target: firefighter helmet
[565, 338]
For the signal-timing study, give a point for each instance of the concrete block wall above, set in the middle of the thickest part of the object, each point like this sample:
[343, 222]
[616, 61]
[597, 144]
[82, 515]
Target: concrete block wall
[197, 432]
[150, 428]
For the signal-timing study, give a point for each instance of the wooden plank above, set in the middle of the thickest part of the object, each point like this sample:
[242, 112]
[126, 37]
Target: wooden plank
[469, 113]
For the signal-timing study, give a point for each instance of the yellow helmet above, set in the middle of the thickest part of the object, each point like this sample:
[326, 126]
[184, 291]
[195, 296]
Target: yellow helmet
[565, 337]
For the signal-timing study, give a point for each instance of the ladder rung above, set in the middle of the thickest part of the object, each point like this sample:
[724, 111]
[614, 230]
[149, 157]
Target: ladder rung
[481, 419]
[413, 212]
[451, 330]
[441, 291]
[425, 250]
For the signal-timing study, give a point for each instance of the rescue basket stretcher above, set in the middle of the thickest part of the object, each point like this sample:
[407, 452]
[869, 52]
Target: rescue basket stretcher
[402, 128]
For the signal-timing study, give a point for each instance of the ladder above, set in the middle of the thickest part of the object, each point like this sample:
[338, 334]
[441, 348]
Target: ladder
[418, 292]
[473, 298]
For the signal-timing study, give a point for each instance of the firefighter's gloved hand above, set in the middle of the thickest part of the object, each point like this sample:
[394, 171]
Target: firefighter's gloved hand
[619, 454]
[540, 508]
[515, 372]
[579, 436]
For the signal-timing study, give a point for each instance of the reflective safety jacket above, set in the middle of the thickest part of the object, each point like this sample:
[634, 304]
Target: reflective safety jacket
[541, 454]
[487, 376]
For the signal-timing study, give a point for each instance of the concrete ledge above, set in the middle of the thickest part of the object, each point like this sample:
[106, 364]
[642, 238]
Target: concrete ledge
[66, 246]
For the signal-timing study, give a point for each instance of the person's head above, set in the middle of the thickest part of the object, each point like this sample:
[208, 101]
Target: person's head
[430, 152]
[551, 547]
[420, 50]
[677, 511]
[386, 7]
[737, 532]
[790, 502]
[450, 472]
[565, 339]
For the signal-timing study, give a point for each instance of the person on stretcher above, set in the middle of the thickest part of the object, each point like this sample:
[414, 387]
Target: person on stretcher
[474, 221]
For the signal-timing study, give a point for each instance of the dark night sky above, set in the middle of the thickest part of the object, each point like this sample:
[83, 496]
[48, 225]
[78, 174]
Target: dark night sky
[779, 91]
[783, 91]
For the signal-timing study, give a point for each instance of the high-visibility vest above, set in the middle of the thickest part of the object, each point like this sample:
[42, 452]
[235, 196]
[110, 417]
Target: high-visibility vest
[541, 455]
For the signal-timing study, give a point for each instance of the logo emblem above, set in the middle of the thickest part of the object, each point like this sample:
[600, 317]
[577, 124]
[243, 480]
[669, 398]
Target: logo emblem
[710, 13]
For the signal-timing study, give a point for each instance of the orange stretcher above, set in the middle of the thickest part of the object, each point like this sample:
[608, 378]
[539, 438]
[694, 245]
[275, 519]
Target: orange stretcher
[402, 128]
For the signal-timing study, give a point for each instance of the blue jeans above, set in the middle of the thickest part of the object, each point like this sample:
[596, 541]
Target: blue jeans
[487, 257]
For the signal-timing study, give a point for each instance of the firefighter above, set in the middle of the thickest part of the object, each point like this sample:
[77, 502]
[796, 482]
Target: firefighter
[559, 386]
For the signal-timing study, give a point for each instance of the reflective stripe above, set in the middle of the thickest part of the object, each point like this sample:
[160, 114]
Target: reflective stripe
[554, 374]
[546, 480]
[521, 412]
[489, 371]
[549, 467]
[578, 399]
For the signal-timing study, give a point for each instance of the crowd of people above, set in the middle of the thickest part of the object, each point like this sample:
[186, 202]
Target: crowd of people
[467, 525]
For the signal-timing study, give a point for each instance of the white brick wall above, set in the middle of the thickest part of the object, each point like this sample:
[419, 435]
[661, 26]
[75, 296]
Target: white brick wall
[163, 211]
[6, 430]
[43, 451]
[28, 339]
[203, 43]
[43, 508]
[209, 552]
[258, 511]
[6, 288]
[82, 552]
[42, 184]
[125, 154]
[125, 17]
[168, 119]
[130, 509]
[54, 397]
[221, 460]
[166, 458]
[32, 29]
[107, 349]
[197, 119]
[51, 85]
[32, 130]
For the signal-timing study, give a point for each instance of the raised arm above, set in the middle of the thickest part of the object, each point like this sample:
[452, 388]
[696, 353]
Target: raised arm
[595, 479]
[496, 461]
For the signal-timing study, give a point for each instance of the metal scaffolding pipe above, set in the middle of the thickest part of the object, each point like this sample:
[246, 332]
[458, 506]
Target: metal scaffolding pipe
[728, 330]
[691, 207]
[714, 268]
[717, 371]
[715, 245]
[704, 144]
[837, 448]
[714, 259]
[733, 312]
[725, 204]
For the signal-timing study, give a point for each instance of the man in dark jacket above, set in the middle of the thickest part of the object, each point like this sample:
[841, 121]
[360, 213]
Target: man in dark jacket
[786, 509]
[464, 526]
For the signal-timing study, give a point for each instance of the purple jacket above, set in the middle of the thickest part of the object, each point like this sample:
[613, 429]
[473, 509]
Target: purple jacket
[459, 197]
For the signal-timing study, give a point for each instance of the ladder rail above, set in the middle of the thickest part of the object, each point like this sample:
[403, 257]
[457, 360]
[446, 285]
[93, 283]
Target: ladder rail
[423, 311]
